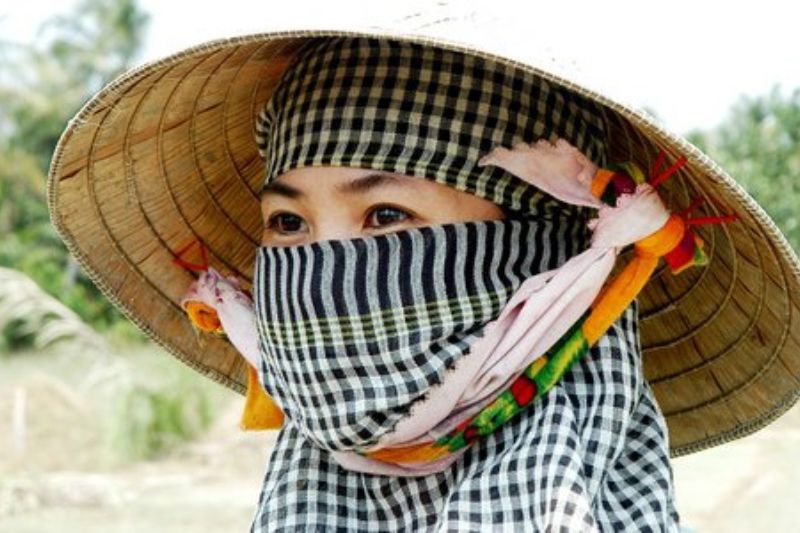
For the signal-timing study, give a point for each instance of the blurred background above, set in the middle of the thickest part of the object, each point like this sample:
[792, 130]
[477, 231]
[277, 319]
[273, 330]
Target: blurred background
[101, 430]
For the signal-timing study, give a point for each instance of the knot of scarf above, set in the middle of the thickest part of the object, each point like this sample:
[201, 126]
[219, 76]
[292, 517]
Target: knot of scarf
[218, 305]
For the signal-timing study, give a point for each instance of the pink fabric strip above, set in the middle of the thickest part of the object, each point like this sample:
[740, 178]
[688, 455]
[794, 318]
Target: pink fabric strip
[234, 309]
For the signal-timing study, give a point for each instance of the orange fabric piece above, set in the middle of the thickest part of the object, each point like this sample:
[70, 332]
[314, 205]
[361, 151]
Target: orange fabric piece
[620, 292]
[600, 181]
[260, 410]
[662, 241]
[617, 295]
[204, 317]
[410, 454]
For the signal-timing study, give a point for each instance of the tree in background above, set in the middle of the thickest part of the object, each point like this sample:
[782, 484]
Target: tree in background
[144, 408]
[759, 145]
[42, 85]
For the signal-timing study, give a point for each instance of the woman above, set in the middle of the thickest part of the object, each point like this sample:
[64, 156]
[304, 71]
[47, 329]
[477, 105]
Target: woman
[404, 282]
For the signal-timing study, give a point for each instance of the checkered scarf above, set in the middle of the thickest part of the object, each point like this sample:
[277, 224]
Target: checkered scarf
[353, 332]
[420, 111]
[356, 331]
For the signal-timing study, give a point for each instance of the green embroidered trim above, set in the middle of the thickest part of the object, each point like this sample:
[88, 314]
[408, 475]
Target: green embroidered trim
[534, 382]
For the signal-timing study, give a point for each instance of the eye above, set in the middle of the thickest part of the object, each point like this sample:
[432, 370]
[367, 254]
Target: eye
[285, 223]
[386, 215]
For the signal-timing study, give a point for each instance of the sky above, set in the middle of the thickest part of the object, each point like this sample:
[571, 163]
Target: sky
[687, 61]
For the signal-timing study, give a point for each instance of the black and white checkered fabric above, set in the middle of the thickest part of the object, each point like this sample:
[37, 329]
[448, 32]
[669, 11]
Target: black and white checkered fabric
[354, 332]
[591, 455]
[420, 111]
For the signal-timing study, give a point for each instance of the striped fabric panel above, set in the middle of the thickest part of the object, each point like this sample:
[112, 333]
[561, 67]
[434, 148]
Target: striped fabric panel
[355, 331]
[420, 111]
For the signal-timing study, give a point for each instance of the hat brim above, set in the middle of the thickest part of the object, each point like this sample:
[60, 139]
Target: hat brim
[166, 154]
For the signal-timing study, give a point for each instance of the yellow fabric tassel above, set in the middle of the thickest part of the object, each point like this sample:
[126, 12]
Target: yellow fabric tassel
[260, 410]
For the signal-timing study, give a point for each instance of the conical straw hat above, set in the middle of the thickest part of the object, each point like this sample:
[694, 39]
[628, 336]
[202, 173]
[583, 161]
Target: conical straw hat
[166, 154]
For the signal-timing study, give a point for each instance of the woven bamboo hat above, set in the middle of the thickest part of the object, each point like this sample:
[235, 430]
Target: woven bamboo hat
[166, 154]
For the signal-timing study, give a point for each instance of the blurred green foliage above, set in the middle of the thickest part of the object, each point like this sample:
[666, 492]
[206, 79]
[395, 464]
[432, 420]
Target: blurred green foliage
[149, 418]
[758, 144]
[29, 317]
[42, 85]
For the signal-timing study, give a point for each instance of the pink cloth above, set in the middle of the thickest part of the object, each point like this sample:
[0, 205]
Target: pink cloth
[234, 308]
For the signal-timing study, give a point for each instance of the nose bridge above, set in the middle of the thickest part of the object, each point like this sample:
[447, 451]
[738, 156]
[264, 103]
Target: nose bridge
[336, 223]
[336, 234]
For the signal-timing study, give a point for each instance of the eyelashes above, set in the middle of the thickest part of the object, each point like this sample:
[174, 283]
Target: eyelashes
[379, 216]
[404, 215]
[274, 223]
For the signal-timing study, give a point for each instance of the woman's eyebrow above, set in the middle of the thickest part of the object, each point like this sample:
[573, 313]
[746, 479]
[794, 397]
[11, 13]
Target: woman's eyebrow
[371, 181]
[276, 187]
[359, 185]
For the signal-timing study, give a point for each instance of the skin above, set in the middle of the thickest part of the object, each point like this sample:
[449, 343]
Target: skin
[310, 204]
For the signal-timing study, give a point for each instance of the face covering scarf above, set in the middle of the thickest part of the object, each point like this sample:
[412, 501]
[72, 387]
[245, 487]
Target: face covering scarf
[355, 332]
[356, 361]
